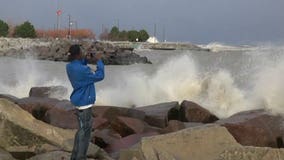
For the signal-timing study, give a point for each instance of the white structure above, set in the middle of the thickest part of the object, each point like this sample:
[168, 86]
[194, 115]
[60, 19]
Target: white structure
[152, 40]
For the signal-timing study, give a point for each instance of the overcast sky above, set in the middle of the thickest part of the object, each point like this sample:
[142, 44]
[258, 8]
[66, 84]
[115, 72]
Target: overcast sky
[197, 21]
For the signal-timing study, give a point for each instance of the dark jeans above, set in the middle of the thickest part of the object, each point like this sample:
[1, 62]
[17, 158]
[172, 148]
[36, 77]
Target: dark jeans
[83, 135]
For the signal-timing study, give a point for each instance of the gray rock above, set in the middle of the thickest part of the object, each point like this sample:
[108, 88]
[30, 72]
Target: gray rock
[4, 155]
[56, 155]
[192, 112]
[23, 135]
[256, 128]
[21, 132]
[58, 92]
[208, 142]
[158, 115]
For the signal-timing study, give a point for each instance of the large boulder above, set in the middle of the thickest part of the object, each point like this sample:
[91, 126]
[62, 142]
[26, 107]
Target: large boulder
[192, 112]
[38, 106]
[158, 115]
[208, 142]
[111, 113]
[104, 137]
[65, 104]
[9, 97]
[100, 123]
[252, 153]
[198, 143]
[58, 92]
[256, 128]
[127, 142]
[21, 134]
[61, 155]
[61, 118]
[175, 126]
[126, 126]
[55, 155]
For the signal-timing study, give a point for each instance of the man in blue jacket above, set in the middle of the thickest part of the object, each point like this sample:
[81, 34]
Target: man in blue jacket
[83, 96]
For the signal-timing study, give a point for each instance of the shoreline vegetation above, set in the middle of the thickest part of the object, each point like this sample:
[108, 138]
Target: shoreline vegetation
[41, 127]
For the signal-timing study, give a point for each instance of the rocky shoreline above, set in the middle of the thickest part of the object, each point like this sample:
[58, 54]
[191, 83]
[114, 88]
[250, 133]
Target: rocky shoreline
[116, 53]
[56, 50]
[41, 127]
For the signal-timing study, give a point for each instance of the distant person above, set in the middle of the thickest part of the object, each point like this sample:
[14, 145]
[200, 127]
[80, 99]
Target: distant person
[83, 96]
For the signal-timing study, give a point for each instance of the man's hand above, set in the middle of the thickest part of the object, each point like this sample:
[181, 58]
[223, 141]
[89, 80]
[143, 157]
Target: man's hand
[98, 56]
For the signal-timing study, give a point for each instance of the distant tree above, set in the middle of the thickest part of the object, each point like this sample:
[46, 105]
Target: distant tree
[114, 33]
[4, 29]
[123, 36]
[143, 35]
[133, 35]
[25, 30]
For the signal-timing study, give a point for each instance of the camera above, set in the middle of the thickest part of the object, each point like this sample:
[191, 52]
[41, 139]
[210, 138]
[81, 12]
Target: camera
[92, 54]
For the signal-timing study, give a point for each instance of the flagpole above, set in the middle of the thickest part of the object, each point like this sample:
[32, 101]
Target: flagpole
[58, 15]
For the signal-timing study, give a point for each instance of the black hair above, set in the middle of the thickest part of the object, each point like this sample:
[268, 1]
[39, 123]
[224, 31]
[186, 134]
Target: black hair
[74, 50]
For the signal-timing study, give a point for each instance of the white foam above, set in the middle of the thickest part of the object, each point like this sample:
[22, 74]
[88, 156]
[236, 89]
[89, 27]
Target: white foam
[217, 47]
[177, 79]
[28, 74]
[269, 87]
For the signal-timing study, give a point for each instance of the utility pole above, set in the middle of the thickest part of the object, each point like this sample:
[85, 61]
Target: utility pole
[164, 33]
[103, 28]
[155, 30]
[70, 24]
[118, 24]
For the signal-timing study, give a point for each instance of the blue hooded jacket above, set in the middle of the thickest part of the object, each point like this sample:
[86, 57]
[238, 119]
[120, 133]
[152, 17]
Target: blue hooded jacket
[82, 79]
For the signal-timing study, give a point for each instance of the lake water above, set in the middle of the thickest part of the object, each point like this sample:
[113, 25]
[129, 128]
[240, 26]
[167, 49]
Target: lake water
[224, 82]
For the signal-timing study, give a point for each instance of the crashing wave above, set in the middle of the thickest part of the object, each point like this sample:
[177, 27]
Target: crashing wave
[219, 47]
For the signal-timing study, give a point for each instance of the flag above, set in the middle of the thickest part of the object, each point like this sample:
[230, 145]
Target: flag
[59, 12]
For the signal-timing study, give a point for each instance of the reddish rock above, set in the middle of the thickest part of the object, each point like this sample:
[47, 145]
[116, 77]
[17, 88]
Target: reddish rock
[175, 126]
[61, 118]
[192, 112]
[126, 126]
[37, 106]
[256, 128]
[100, 123]
[104, 137]
[158, 115]
[127, 142]
[65, 105]
[9, 97]
[110, 112]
